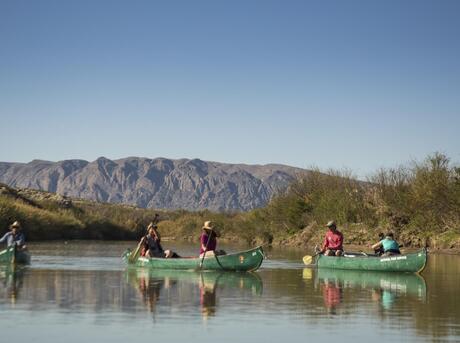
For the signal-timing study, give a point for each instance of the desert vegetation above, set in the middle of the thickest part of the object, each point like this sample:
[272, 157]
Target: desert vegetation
[419, 202]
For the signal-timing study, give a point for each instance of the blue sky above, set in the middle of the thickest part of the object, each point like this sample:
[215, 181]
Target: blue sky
[357, 84]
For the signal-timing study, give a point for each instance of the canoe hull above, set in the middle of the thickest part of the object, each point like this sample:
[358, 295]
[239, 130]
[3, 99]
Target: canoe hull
[408, 263]
[12, 255]
[249, 260]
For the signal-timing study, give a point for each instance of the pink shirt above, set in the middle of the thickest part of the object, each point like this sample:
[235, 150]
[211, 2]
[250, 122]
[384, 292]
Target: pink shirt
[333, 240]
[212, 242]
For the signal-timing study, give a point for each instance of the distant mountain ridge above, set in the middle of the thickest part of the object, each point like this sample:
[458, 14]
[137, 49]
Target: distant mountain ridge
[162, 183]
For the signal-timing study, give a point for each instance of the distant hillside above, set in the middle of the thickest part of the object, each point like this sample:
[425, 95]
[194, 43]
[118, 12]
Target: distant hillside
[420, 204]
[155, 183]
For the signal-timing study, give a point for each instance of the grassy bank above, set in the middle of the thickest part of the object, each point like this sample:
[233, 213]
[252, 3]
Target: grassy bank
[419, 202]
[48, 216]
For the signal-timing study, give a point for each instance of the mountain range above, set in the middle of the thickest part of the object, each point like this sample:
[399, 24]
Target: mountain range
[162, 183]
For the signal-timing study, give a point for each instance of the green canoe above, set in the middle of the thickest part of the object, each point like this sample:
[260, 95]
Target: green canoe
[409, 263]
[12, 255]
[249, 260]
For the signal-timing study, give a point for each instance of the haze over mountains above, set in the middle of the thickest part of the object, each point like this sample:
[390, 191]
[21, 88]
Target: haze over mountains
[155, 183]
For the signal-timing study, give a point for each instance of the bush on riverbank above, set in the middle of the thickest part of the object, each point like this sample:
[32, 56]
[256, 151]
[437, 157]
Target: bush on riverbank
[45, 216]
[420, 202]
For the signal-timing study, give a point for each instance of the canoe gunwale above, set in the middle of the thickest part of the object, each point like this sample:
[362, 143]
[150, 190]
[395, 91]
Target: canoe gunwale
[241, 261]
[414, 262]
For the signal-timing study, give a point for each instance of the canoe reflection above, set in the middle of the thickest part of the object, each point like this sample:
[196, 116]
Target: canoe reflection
[205, 286]
[385, 288]
[11, 279]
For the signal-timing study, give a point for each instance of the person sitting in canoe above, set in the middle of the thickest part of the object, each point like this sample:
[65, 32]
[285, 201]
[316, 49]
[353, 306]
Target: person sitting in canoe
[208, 239]
[15, 236]
[379, 251]
[389, 245]
[333, 241]
[152, 244]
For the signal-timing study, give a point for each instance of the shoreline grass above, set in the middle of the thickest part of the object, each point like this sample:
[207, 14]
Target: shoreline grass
[419, 202]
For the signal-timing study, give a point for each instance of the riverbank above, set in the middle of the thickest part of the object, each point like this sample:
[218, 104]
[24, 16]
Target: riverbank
[420, 204]
[360, 235]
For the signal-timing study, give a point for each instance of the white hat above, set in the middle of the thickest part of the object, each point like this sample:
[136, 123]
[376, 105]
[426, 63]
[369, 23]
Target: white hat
[16, 224]
[331, 223]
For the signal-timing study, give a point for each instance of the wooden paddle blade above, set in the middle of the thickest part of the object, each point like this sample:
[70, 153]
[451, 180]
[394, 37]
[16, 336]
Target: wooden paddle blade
[307, 259]
[134, 255]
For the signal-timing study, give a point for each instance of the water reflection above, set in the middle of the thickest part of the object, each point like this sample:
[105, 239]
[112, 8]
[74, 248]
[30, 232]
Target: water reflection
[332, 291]
[180, 288]
[382, 288]
[11, 279]
[86, 290]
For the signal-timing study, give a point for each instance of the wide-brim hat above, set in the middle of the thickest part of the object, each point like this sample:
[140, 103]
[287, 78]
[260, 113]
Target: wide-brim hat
[16, 225]
[208, 225]
[331, 223]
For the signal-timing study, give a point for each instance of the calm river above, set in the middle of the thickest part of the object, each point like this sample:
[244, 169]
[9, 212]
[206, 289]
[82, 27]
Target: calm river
[81, 292]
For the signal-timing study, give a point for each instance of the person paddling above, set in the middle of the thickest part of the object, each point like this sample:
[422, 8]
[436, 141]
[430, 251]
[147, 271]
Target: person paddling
[208, 239]
[333, 241]
[152, 244]
[15, 236]
[389, 245]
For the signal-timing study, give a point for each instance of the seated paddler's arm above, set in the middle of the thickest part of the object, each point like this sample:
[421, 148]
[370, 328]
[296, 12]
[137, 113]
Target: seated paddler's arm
[21, 240]
[376, 245]
[157, 235]
[4, 238]
[324, 246]
[203, 247]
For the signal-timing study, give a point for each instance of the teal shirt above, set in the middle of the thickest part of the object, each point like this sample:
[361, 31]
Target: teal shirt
[389, 244]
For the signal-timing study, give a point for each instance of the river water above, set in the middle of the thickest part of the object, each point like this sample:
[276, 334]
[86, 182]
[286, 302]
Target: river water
[82, 292]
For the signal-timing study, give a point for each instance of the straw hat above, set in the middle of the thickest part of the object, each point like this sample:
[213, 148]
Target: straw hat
[16, 224]
[208, 225]
[331, 223]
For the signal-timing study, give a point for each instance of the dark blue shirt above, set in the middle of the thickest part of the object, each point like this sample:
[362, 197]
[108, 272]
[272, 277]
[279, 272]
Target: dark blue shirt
[153, 244]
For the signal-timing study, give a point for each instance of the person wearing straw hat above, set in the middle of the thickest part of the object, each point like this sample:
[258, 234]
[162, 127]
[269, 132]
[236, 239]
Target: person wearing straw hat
[15, 236]
[153, 246]
[333, 242]
[208, 239]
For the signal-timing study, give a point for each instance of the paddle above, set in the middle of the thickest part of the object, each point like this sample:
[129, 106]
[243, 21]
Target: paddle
[135, 255]
[206, 249]
[13, 259]
[307, 259]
